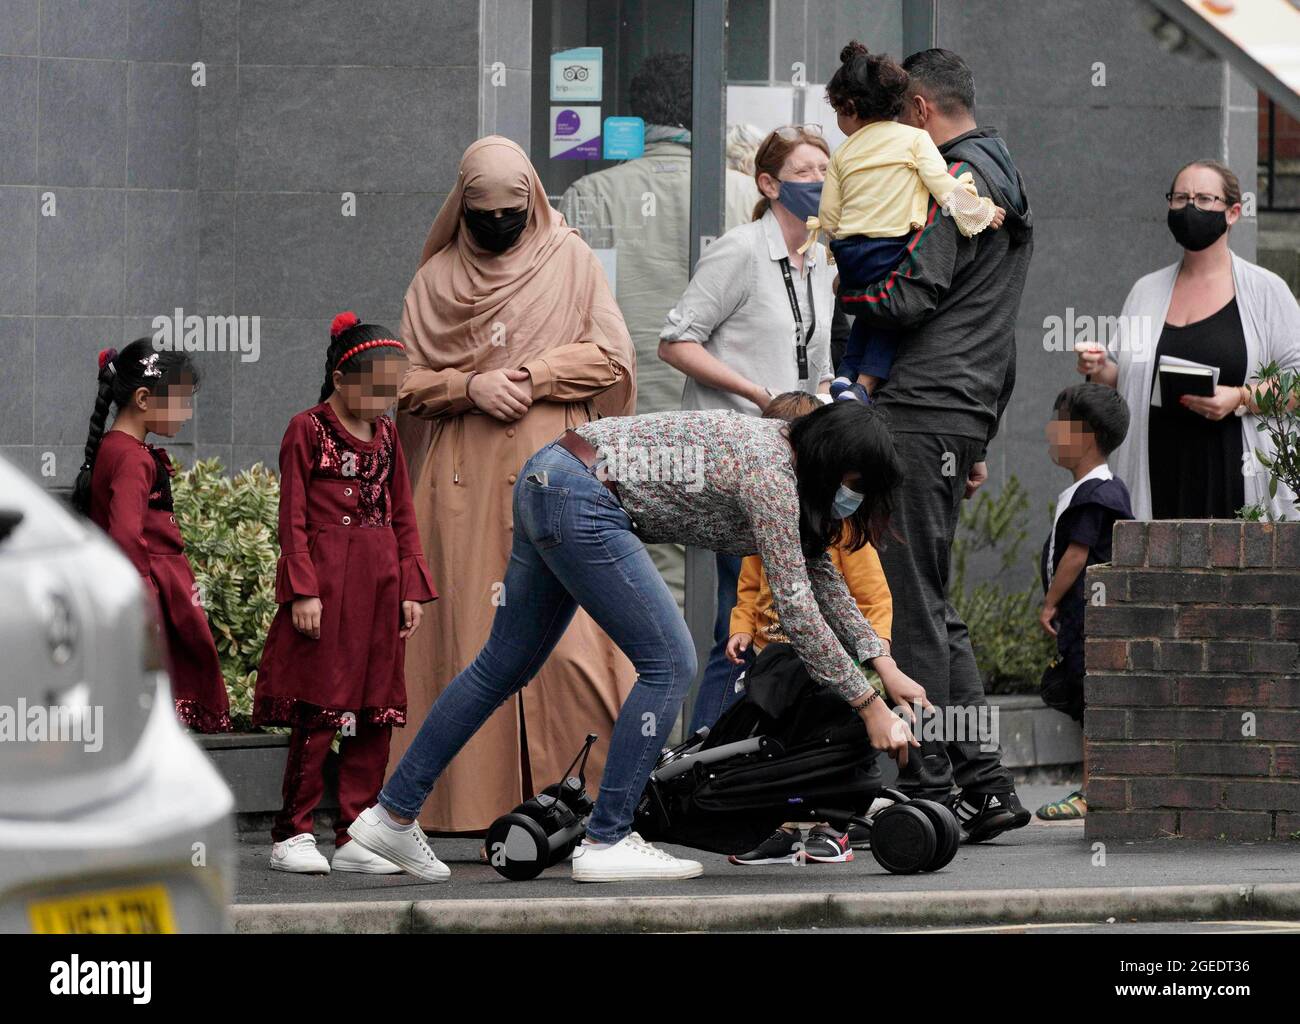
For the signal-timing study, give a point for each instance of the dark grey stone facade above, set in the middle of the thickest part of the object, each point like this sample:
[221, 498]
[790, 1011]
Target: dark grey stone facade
[228, 198]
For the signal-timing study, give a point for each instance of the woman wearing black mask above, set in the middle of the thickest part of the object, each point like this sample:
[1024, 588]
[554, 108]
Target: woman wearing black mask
[513, 336]
[496, 230]
[1196, 459]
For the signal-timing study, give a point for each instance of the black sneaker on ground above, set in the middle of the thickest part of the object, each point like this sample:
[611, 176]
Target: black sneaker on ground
[781, 847]
[986, 815]
[826, 846]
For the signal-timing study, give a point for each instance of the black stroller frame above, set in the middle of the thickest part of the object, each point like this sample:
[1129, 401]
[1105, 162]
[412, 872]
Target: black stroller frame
[905, 837]
[789, 750]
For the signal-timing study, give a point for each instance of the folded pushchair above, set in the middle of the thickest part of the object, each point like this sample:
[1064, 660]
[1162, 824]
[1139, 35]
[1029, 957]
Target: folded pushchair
[788, 750]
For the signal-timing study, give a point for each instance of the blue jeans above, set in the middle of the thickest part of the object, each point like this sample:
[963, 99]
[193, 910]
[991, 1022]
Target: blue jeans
[573, 545]
[718, 687]
[861, 262]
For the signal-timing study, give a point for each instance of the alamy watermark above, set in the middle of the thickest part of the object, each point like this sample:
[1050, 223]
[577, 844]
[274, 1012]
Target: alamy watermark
[181, 333]
[656, 463]
[1134, 334]
[56, 723]
[965, 723]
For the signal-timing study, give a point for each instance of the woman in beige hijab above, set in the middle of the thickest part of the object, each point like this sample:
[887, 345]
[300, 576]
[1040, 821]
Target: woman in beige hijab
[513, 337]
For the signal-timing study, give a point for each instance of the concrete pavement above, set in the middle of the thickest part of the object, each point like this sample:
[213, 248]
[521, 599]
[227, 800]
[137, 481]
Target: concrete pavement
[1042, 873]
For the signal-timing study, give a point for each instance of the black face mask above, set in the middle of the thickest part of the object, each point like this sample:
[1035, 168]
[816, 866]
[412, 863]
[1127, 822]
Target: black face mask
[1195, 229]
[493, 233]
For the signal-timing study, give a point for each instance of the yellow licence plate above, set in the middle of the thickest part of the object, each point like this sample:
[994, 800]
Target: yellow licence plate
[145, 910]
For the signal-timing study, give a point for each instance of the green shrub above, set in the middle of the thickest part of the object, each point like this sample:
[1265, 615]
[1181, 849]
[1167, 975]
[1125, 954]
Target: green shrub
[229, 526]
[1277, 397]
[1001, 613]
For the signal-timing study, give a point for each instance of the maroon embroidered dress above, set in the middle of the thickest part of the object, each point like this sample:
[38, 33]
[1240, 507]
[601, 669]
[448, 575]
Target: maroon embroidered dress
[347, 536]
[131, 501]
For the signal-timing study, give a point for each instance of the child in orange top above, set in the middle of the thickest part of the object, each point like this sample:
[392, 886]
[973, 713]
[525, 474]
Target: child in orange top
[754, 621]
[754, 625]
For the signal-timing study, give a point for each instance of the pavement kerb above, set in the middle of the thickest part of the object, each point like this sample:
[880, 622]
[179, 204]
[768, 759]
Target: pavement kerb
[1278, 901]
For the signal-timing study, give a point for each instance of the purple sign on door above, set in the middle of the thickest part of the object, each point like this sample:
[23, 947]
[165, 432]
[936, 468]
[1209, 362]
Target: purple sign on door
[575, 133]
[567, 122]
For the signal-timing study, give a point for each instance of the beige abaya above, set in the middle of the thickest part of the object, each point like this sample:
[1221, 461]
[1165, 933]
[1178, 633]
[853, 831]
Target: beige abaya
[542, 306]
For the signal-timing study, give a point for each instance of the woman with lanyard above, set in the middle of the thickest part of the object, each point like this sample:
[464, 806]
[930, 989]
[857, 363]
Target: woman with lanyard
[513, 335]
[754, 322]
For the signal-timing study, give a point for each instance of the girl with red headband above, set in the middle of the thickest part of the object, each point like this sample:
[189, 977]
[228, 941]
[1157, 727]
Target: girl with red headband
[350, 582]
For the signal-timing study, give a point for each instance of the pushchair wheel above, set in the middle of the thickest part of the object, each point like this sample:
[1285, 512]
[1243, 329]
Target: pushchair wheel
[544, 829]
[903, 839]
[517, 847]
[946, 829]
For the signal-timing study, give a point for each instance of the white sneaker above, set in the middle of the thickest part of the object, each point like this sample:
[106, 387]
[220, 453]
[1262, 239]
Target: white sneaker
[631, 859]
[299, 855]
[407, 848]
[356, 858]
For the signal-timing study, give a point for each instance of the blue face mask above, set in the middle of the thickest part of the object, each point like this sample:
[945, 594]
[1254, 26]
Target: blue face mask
[846, 502]
[802, 198]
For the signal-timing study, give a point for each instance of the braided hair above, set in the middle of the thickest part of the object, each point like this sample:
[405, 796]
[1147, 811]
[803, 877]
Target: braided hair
[121, 374]
[347, 333]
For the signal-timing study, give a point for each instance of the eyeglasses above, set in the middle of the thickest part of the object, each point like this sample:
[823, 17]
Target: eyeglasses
[796, 132]
[1202, 200]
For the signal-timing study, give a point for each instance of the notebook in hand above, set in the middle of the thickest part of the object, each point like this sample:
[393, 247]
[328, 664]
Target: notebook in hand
[1176, 381]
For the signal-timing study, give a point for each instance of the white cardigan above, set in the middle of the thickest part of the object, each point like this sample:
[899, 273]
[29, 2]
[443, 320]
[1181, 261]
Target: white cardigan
[1270, 320]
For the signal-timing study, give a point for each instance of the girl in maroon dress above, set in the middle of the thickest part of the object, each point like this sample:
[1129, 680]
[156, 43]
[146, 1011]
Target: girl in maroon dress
[125, 487]
[350, 582]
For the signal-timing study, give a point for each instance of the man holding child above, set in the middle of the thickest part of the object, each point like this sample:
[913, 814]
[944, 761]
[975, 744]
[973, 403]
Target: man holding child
[953, 302]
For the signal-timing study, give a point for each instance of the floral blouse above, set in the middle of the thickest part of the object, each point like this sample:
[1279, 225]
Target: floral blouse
[725, 481]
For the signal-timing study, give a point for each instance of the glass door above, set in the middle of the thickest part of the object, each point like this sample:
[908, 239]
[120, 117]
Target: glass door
[645, 118]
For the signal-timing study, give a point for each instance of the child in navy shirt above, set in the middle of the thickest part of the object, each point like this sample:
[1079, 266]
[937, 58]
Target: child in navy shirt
[1090, 421]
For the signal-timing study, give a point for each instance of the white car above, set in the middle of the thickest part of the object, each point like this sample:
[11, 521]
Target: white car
[111, 817]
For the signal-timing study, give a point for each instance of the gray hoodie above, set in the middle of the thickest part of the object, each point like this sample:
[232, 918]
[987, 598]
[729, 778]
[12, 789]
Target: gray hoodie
[955, 301]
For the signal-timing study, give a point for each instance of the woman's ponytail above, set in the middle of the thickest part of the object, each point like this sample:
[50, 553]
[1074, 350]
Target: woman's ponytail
[98, 420]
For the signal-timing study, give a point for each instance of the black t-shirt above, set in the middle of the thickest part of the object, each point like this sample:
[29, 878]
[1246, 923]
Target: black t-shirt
[1094, 509]
[1195, 463]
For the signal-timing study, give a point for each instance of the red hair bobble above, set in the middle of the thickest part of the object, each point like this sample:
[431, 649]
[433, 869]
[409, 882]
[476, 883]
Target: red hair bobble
[342, 322]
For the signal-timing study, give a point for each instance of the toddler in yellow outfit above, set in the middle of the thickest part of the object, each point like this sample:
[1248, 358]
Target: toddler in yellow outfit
[876, 196]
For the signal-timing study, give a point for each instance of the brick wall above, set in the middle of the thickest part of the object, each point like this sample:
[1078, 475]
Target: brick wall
[1286, 132]
[1193, 689]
